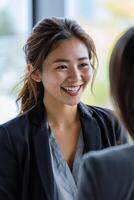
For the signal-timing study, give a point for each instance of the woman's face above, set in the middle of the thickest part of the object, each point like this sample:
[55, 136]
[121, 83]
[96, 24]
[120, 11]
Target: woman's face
[66, 72]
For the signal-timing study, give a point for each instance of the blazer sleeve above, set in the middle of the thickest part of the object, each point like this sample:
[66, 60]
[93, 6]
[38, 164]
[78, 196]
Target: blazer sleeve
[8, 168]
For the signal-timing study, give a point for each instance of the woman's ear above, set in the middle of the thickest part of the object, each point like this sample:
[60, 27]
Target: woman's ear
[35, 75]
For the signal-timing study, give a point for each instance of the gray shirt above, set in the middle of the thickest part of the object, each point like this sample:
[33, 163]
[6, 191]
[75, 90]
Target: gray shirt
[66, 181]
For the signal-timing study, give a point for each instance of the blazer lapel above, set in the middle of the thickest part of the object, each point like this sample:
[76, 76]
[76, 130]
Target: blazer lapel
[91, 134]
[42, 150]
[90, 129]
[43, 158]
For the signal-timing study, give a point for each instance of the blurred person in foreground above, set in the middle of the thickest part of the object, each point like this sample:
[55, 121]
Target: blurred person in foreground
[109, 174]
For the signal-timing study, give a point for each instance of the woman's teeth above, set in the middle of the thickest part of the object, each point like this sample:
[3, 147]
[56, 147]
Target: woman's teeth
[72, 89]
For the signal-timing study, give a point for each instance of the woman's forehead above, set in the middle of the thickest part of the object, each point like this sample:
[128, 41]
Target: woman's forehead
[68, 47]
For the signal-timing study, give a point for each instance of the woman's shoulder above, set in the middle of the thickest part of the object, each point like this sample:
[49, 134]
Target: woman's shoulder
[15, 137]
[21, 120]
[23, 123]
[103, 111]
[16, 128]
[108, 122]
[97, 112]
[109, 119]
[15, 122]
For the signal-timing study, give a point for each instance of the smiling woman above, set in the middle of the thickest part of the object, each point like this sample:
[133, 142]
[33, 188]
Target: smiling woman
[65, 74]
[42, 148]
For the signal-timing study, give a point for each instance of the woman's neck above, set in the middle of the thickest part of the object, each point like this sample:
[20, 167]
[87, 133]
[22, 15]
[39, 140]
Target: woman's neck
[60, 114]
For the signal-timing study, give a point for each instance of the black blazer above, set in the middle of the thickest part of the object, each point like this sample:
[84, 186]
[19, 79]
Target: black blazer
[107, 174]
[25, 162]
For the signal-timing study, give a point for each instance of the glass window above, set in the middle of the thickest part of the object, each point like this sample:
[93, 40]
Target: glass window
[15, 24]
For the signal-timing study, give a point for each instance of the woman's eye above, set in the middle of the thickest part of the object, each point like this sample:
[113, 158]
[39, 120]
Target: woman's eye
[84, 65]
[61, 67]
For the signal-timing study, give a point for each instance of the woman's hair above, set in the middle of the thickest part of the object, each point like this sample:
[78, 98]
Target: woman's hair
[45, 37]
[121, 73]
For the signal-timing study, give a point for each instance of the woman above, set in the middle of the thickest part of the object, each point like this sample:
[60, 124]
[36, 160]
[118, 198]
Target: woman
[109, 174]
[41, 149]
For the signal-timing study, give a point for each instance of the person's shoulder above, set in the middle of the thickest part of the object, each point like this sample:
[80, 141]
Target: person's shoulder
[101, 113]
[109, 124]
[16, 120]
[118, 156]
[16, 131]
[108, 171]
[100, 110]
[16, 123]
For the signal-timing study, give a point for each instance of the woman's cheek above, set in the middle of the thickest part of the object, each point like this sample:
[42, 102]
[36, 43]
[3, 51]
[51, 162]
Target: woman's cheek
[89, 75]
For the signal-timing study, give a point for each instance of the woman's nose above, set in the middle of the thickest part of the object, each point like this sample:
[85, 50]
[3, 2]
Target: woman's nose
[74, 75]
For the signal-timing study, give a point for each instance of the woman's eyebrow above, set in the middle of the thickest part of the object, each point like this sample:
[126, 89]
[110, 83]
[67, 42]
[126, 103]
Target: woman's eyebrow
[61, 60]
[83, 58]
[66, 60]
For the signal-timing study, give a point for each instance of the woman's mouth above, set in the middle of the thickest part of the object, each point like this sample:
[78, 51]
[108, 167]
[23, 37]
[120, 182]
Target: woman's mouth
[72, 90]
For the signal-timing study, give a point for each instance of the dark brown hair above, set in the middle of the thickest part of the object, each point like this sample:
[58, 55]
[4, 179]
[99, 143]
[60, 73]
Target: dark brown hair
[121, 73]
[45, 36]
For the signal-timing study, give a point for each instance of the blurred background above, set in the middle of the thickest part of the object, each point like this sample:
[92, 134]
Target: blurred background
[104, 20]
